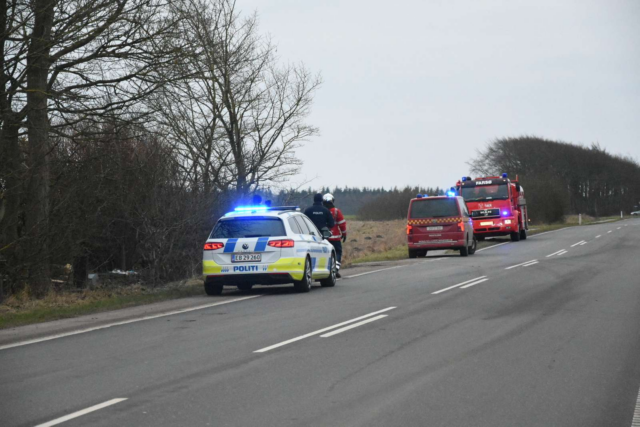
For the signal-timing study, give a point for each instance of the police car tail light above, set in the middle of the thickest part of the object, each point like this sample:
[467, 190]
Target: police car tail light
[409, 229]
[213, 246]
[281, 243]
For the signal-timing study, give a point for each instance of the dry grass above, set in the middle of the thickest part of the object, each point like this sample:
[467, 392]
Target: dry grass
[369, 240]
[21, 309]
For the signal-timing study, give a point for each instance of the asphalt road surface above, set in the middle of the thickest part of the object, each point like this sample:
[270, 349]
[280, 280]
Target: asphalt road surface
[543, 332]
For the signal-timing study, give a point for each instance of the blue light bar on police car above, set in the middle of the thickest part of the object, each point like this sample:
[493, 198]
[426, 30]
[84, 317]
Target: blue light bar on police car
[251, 208]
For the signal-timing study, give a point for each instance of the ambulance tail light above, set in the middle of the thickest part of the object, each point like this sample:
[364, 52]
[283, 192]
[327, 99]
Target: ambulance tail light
[461, 226]
[287, 243]
[409, 229]
[213, 246]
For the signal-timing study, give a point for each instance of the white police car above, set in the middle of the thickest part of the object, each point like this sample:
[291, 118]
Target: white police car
[266, 246]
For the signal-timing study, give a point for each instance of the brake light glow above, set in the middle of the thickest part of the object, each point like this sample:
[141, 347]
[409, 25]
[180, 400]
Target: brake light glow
[288, 243]
[212, 246]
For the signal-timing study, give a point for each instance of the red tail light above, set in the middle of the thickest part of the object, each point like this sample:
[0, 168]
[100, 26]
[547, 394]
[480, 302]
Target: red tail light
[213, 246]
[409, 229]
[281, 243]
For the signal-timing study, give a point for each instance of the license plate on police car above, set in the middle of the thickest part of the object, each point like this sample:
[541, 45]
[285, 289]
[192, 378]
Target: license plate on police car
[246, 258]
[487, 223]
[434, 228]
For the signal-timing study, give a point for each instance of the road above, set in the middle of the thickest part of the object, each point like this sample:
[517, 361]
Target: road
[550, 338]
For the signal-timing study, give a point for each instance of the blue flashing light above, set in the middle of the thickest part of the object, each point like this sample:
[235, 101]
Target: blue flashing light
[505, 213]
[464, 178]
[504, 175]
[251, 208]
[451, 193]
[419, 196]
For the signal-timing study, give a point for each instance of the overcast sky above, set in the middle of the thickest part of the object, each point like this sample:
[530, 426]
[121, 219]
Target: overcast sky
[412, 88]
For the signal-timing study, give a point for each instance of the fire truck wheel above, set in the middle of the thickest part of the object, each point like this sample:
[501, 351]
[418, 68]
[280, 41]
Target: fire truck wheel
[515, 237]
[473, 247]
[523, 234]
[413, 253]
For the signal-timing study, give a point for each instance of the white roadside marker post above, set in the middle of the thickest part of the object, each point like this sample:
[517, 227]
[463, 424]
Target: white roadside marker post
[579, 219]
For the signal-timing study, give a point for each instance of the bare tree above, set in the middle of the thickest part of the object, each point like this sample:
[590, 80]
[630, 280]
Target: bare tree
[66, 61]
[236, 115]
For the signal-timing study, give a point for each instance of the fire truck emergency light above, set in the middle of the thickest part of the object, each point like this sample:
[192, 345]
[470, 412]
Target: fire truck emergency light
[504, 175]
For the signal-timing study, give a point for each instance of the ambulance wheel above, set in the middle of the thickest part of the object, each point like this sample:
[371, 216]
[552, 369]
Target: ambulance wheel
[523, 234]
[473, 247]
[213, 289]
[245, 287]
[304, 285]
[330, 281]
[515, 237]
[465, 250]
[413, 253]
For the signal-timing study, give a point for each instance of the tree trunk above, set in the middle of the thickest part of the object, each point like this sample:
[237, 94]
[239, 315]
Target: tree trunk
[37, 212]
[10, 172]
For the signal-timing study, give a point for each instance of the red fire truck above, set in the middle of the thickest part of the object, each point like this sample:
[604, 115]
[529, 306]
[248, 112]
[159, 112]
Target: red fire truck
[497, 206]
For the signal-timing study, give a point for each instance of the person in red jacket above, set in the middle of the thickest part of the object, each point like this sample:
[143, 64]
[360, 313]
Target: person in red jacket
[338, 231]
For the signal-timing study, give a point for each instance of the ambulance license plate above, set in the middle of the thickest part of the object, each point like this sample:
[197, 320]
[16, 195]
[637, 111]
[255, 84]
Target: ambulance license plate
[434, 228]
[246, 258]
[487, 223]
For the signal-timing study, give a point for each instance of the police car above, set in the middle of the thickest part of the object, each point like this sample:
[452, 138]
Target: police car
[267, 246]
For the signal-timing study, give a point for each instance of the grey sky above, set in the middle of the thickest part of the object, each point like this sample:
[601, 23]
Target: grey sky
[412, 88]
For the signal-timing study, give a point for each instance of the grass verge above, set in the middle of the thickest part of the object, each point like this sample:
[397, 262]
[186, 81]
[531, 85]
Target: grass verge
[21, 310]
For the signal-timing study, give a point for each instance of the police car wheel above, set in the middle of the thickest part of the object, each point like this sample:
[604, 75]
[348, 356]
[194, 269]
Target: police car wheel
[213, 289]
[245, 287]
[304, 285]
[330, 281]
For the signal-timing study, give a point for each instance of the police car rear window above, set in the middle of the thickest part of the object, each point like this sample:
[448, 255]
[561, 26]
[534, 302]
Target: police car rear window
[434, 208]
[236, 228]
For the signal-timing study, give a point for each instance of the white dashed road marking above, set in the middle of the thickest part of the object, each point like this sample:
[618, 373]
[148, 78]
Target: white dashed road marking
[522, 264]
[301, 337]
[579, 243]
[459, 284]
[556, 253]
[531, 263]
[355, 325]
[473, 284]
[82, 412]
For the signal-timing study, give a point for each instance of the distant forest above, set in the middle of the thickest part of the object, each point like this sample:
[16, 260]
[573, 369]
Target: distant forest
[366, 203]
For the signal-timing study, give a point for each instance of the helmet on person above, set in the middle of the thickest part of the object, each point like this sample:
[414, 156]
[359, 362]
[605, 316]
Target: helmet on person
[328, 198]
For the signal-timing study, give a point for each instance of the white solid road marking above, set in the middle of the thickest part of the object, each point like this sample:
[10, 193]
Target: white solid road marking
[555, 253]
[124, 322]
[301, 337]
[473, 284]
[371, 272]
[459, 284]
[519, 265]
[355, 325]
[636, 414]
[579, 243]
[82, 412]
[531, 263]
[547, 232]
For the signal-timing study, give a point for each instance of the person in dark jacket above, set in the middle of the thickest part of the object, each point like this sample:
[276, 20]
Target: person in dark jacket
[319, 215]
